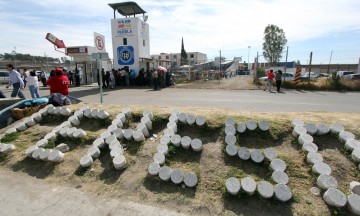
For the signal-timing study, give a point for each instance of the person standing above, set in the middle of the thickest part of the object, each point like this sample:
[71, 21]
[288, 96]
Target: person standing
[59, 83]
[25, 74]
[33, 84]
[107, 79]
[77, 77]
[278, 76]
[103, 74]
[155, 77]
[112, 78]
[270, 77]
[15, 81]
[71, 77]
[43, 78]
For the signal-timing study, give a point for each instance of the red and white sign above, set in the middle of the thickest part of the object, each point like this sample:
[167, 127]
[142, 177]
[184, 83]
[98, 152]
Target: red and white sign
[99, 42]
[54, 40]
[76, 50]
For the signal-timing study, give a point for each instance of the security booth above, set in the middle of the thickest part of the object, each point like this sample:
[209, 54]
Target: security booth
[87, 66]
[130, 38]
[82, 57]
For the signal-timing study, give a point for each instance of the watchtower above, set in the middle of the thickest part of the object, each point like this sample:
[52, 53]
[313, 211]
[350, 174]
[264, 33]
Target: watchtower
[130, 37]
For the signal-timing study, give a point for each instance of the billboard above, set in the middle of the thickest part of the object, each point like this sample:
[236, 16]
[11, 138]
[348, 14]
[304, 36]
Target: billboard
[54, 40]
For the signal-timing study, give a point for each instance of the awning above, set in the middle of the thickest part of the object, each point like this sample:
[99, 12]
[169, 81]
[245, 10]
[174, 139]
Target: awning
[127, 8]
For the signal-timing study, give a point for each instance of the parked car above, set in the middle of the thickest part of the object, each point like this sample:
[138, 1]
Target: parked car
[305, 77]
[324, 75]
[4, 77]
[352, 76]
[342, 74]
[287, 76]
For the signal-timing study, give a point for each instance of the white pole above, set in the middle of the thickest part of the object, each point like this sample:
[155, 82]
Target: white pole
[100, 78]
[248, 59]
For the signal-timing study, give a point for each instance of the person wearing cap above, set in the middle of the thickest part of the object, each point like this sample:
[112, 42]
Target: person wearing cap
[15, 81]
[59, 83]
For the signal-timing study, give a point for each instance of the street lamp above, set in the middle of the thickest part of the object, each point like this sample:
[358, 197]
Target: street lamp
[248, 56]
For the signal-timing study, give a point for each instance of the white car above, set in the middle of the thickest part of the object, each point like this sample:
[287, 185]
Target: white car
[4, 77]
[343, 74]
[287, 76]
[305, 77]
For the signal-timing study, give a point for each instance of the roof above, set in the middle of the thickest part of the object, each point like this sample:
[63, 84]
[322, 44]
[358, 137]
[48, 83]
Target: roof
[127, 8]
[227, 62]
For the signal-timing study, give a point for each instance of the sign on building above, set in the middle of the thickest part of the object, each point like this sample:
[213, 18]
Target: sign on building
[125, 55]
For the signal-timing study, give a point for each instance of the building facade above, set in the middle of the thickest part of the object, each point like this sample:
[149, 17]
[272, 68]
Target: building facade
[172, 60]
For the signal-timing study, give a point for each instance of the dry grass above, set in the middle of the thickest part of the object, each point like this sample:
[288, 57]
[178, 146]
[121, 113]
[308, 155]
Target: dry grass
[211, 165]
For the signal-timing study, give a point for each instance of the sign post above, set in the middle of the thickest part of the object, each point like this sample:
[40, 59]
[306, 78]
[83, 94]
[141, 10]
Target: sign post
[100, 55]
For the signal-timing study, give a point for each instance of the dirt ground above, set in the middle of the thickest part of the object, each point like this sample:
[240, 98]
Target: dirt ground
[211, 165]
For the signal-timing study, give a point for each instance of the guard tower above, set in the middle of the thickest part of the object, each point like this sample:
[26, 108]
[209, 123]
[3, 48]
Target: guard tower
[130, 37]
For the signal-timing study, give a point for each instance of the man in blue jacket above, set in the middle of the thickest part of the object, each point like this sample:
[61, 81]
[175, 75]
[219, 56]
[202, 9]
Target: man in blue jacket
[15, 81]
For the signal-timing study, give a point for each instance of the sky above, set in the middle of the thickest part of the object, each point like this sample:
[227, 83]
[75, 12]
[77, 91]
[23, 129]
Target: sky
[328, 28]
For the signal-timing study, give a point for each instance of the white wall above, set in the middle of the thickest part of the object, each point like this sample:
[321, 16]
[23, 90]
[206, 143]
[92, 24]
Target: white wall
[135, 31]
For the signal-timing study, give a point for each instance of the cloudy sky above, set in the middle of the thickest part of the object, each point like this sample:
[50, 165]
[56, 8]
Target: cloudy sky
[207, 26]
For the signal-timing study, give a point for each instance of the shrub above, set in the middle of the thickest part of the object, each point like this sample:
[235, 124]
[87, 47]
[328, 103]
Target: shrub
[334, 81]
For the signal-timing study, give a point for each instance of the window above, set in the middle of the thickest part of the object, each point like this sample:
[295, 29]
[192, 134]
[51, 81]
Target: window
[125, 41]
[159, 57]
[191, 55]
[167, 57]
[143, 42]
[174, 56]
[4, 74]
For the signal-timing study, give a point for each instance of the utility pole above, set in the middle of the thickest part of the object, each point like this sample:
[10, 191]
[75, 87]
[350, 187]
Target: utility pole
[310, 66]
[256, 67]
[220, 67]
[248, 58]
[287, 51]
[328, 70]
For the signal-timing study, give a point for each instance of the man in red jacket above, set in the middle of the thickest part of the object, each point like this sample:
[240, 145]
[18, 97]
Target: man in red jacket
[59, 83]
[270, 77]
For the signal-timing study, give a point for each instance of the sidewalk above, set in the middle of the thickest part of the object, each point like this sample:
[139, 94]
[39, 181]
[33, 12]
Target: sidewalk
[29, 196]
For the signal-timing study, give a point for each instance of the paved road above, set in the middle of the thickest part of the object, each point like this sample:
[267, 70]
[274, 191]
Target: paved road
[28, 196]
[246, 100]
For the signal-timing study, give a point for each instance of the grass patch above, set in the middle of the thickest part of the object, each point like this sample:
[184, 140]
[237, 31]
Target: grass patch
[8, 138]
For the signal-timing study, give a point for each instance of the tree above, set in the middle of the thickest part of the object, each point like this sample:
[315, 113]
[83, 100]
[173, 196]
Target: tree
[183, 56]
[274, 43]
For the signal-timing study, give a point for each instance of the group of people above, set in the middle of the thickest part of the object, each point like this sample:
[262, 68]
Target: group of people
[58, 82]
[270, 76]
[126, 77]
[161, 79]
[73, 76]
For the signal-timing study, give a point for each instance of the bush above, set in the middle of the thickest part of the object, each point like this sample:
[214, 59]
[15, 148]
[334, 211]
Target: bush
[261, 72]
[332, 83]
